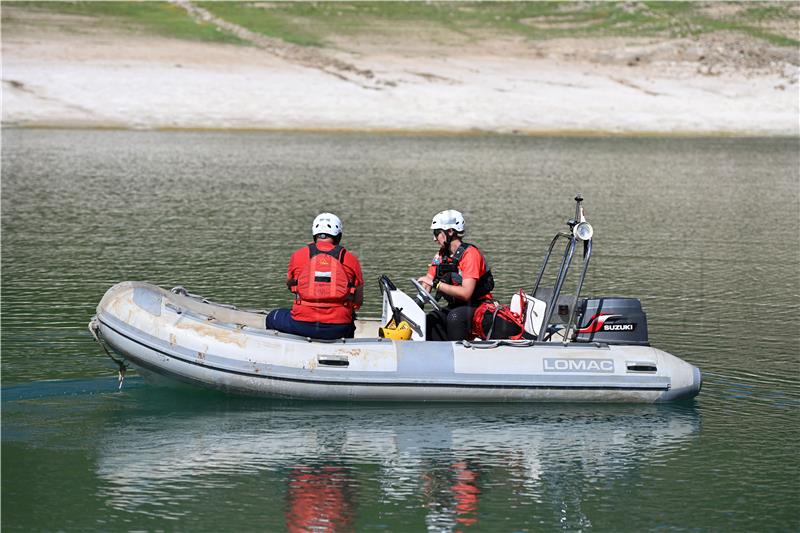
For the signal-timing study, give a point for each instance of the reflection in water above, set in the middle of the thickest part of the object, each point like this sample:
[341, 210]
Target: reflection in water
[452, 501]
[442, 459]
[319, 499]
[465, 491]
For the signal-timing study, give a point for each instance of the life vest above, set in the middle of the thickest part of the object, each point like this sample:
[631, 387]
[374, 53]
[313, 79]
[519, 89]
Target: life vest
[447, 271]
[323, 280]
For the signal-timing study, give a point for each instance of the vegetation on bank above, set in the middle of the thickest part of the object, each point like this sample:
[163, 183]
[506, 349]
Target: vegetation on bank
[156, 18]
[312, 23]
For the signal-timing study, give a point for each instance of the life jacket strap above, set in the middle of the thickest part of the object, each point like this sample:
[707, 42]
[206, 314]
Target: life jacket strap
[337, 252]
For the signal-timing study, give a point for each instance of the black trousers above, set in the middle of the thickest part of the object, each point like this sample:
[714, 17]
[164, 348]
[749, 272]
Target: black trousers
[449, 324]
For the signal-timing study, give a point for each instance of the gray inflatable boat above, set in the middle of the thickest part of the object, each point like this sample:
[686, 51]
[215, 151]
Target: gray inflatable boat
[576, 349]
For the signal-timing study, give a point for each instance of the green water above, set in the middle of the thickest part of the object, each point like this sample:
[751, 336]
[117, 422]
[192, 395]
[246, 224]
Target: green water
[705, 231]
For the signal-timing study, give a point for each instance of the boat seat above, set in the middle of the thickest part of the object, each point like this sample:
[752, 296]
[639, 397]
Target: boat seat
[367, 328]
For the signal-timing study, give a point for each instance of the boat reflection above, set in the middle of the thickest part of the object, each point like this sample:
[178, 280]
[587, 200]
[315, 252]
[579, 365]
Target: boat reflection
[319, 499]
[440, 458]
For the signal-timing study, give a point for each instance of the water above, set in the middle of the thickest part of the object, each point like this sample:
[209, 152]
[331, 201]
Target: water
[704, 231]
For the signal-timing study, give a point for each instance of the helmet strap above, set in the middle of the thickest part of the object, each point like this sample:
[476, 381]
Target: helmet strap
[334, 238]
[448, 239]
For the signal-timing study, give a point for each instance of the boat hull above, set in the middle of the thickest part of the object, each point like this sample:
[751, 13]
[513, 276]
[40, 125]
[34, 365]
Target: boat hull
[202, 344]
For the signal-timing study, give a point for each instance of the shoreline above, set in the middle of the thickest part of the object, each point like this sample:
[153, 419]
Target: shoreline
[106, 78]
[417, 132]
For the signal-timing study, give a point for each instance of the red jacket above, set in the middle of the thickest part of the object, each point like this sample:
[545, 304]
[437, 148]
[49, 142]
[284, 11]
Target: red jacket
[327, 313]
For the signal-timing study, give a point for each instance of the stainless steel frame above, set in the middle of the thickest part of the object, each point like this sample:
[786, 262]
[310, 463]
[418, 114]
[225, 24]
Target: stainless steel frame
[566, 261]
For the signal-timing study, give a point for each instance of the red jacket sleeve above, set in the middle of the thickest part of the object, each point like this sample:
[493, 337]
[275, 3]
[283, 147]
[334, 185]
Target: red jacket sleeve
[296, 263]
[472, 264]
[353, 268]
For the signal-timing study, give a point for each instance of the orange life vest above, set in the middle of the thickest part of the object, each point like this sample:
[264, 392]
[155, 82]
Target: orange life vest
[323, 279]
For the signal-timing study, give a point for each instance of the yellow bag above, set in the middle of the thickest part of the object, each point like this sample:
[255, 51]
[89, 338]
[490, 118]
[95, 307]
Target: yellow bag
[399, 332]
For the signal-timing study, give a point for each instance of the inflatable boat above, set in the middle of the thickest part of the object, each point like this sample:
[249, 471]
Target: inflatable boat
[574, 349]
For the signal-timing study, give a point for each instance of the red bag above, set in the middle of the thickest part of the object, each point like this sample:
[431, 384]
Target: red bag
[493, 320]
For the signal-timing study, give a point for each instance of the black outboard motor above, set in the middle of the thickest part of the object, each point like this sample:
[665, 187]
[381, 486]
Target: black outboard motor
[612, 321]
[609, 320]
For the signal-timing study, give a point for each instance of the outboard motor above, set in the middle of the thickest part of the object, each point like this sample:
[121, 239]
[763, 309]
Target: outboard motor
[612, 321]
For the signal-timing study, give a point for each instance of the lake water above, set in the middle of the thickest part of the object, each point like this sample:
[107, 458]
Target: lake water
[705, 231]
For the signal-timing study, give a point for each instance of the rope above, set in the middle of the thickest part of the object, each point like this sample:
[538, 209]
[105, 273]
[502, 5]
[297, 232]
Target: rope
[94, 329]
[484, 345]
[494, 318]
[181, 290]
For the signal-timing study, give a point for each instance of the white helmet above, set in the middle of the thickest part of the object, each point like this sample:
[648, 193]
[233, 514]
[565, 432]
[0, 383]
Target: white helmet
[327, 223]
[450, 219]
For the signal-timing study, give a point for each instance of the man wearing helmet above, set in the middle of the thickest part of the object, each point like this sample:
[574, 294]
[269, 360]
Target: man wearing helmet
[327, 283]
[459, 273]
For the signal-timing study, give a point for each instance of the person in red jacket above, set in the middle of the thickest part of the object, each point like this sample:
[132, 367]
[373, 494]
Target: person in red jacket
[327, 283]
[458, 273]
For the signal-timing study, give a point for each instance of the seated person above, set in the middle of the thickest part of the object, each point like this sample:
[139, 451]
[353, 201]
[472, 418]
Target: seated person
[327, 283]
[460, 274]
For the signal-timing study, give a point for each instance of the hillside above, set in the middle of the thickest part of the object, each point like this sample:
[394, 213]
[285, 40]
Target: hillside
[635, 67]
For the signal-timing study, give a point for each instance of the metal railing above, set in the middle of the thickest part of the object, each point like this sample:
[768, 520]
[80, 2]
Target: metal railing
[563, 269]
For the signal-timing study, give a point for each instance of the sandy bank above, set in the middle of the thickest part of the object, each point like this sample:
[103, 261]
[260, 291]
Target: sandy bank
[101, 78]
